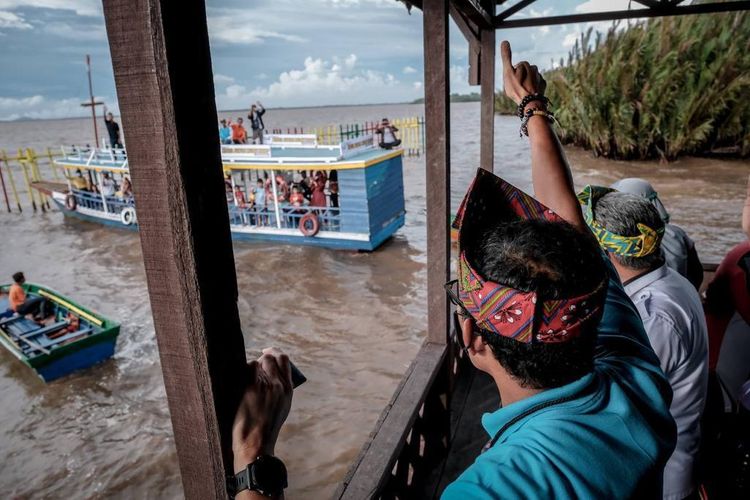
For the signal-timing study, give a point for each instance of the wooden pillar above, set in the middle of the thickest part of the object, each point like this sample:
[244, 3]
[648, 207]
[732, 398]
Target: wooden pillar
[487, 79]
[437, 162]
[162, 69]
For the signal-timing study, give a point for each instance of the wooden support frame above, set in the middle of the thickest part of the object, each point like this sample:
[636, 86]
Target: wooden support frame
[487, 113]
[437, 163]
[162, 68]
[664, 9]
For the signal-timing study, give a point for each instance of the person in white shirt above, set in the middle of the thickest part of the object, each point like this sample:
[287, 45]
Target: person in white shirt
[108, 185]
[630, 229]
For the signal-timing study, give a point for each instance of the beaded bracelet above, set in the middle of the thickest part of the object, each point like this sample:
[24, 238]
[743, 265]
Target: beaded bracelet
[549, 115]
[526, 100]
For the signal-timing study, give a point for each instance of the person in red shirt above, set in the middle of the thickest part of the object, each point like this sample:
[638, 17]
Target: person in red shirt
[239, 134]
[239, 196]
[318, 190]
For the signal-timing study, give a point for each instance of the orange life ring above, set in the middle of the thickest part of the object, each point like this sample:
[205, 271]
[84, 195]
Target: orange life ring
[70, 202]
[309, 224]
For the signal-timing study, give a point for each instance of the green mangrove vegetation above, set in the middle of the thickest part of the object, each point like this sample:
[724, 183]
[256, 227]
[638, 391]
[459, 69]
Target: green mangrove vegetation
[656, 89]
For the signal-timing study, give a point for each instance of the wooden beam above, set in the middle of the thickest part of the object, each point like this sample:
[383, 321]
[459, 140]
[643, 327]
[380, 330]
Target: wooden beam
[437, 163]
[471, 33]
[671, 10]
[487, 112]
[513, 9]
[468, 29]
[475, 11]
[162, 68]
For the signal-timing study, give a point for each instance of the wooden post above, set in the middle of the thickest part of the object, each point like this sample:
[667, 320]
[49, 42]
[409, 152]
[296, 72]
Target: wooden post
[437, 162]
[487, 80]
[162, 68]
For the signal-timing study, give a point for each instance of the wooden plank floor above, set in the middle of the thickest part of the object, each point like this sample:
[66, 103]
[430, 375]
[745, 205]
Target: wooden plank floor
[475, 394]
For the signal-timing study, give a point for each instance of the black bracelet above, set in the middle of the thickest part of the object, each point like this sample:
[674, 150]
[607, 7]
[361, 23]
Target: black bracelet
[529, 98]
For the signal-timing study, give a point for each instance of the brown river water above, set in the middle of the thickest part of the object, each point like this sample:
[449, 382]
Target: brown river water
[352, 322]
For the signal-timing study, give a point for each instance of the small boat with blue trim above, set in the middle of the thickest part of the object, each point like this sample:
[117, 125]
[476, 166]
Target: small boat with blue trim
[72, 338]
[289, 190]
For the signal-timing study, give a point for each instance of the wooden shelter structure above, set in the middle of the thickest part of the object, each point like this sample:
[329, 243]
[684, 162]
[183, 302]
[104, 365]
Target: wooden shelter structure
[162, 67]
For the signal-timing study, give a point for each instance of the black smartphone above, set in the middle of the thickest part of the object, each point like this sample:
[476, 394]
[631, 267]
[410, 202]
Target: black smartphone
[297, 377]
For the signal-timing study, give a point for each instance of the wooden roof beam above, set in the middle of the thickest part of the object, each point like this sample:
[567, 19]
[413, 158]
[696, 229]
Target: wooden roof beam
[476, 12]
[513, 9]
[671, 10]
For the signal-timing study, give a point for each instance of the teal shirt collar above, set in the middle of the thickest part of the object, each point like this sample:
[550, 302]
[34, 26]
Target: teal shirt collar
[493, 422]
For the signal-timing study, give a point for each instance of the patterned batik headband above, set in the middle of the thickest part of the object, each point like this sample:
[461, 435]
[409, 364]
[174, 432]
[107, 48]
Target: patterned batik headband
[504, 310]
[642, 245]
[516, 314]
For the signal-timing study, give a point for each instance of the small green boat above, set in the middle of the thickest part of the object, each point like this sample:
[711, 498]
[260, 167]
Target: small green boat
[76, 337]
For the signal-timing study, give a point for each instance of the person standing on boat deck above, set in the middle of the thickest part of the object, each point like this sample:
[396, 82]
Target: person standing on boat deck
[676, 246]
[630, 228]
[21, 304]
[585, 404]
[260, 201]
[113, 129]
[225, 133]
[333, 188]
[108, 185]
[256, 121]
[239, 134]
[387, 135]
[79, 182]
[318, 198]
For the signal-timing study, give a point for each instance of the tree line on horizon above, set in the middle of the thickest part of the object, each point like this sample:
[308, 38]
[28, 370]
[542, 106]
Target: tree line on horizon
[657, 89]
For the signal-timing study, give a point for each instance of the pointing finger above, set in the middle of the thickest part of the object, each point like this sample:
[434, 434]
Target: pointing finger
[505, 55]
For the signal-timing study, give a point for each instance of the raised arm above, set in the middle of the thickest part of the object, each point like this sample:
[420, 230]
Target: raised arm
[550, 174]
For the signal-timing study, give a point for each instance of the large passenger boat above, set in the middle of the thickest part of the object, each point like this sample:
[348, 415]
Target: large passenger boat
[359, 204]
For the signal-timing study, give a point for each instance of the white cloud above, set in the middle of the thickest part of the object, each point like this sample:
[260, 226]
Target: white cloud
[241, 28]
[570, 39]
[320, 81]
[11, 20]
[409, 70]
[220, 79]
[40, 107]
[64, 30]
[418, 86]
[80, 7]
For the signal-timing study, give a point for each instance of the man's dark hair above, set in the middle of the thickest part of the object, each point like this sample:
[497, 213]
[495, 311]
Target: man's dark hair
[18, 277]
[556, 261]
[620, 213]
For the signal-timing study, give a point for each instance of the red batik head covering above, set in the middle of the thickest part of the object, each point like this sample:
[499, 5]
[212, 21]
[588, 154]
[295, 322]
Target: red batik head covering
[506, 311]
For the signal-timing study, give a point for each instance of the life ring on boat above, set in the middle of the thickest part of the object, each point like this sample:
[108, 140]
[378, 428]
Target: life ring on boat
[127, 216]
[70, 202]
[309, 225]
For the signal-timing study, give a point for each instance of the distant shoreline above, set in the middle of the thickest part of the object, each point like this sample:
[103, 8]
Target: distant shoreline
[242, 110]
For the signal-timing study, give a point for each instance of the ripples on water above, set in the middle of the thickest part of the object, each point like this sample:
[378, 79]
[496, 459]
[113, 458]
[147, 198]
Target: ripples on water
[352, 322]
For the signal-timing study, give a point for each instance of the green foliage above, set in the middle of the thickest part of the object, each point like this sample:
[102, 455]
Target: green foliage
[455, 97]
[658, 89]
[504, 105]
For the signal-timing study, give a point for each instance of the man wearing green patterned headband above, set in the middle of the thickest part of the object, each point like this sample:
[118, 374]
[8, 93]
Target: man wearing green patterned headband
[630, 229]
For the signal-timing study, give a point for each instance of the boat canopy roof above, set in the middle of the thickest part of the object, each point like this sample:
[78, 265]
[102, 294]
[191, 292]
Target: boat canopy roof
[282, 152]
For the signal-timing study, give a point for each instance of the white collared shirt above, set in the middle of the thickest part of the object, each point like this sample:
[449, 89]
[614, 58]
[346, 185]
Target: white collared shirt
[673, 317]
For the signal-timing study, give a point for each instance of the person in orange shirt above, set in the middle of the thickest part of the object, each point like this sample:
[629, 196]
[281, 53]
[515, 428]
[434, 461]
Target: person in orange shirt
[239, 134]
[22, 304]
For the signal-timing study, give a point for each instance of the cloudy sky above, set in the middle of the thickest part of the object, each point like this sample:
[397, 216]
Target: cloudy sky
[282, 52]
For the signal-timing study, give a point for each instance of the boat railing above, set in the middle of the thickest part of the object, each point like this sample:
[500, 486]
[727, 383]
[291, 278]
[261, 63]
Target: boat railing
[289, 217]
[94, 157]
[93, 201]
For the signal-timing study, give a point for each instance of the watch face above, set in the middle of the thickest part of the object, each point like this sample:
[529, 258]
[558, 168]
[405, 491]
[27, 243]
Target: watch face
[269, 475]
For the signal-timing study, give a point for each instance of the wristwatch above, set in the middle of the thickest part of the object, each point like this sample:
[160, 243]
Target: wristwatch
[266, 475]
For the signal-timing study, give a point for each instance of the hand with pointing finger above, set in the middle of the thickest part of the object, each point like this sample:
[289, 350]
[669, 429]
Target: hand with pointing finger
[522, 79]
